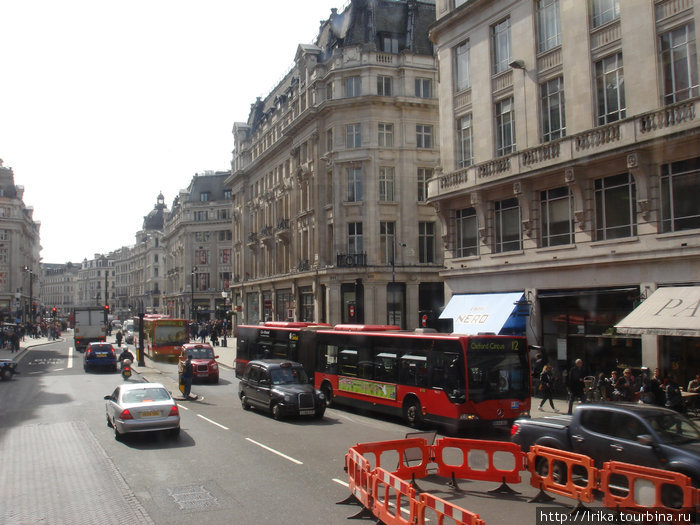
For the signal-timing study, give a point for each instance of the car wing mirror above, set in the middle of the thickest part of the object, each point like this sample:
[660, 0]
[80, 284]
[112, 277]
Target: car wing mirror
[645, 439]
[107, 398]
[216, 357]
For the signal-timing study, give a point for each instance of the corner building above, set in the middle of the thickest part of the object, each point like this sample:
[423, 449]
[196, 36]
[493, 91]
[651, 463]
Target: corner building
[329, 178]
[569, 168]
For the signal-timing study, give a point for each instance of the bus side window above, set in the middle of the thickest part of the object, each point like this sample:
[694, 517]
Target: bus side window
[328, 359]
[279, 350]
[386, 365]
[348, 362]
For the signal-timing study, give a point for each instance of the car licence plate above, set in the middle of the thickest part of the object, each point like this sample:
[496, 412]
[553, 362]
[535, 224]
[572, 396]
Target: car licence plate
[101, 354]
[500, 423]
[306, 412]
[150, 413]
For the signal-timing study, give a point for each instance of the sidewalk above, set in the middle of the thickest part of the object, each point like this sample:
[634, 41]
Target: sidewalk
[29, 342]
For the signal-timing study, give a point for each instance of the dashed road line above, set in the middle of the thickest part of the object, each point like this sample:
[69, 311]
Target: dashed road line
[275, 452]
[212, 421]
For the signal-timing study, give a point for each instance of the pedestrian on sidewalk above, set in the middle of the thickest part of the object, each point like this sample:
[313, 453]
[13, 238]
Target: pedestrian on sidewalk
[546, 386]
[576, 385]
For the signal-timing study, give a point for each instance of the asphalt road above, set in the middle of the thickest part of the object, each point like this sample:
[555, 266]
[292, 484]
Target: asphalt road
[227, 466]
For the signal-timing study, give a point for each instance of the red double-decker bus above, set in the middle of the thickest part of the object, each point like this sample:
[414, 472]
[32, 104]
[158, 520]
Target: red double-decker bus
[447, 379]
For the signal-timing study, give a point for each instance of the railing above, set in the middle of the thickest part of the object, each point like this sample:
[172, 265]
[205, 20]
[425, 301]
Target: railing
[627, 132]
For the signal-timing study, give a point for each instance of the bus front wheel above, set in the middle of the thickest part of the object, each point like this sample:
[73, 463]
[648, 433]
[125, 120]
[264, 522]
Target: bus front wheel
[412, 413]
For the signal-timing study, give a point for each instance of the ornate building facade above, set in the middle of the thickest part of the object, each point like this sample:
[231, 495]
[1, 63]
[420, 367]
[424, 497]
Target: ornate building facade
[570, 167]
[20, 271]
[197, 241]
[329, 177]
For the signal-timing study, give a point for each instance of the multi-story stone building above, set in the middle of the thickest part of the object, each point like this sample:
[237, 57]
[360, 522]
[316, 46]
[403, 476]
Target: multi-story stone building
[329, 177]
[569, 167]
[20, 270]
[96, 281]
[197, 241]
[59, 287]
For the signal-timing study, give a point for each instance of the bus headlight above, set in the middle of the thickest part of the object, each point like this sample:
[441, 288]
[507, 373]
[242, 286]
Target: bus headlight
[468, 417]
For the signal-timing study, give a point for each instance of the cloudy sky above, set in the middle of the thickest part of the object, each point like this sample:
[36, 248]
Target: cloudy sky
[104, 104]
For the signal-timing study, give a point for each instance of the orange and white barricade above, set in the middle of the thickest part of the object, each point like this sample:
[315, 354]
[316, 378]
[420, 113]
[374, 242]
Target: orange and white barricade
[641, 489]
[432, 509]
[359, 477]
[395, 500]
[567, 473]
[400, 448]
[478, 460]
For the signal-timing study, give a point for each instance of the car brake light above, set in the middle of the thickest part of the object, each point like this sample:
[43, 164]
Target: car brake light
[125, 415]
[174, 410]
[514, 429]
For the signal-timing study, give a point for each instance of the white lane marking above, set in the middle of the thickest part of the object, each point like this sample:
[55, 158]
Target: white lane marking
[70, 357]
[341, 482]
[212, 422]
[275, 451]
[182, 406]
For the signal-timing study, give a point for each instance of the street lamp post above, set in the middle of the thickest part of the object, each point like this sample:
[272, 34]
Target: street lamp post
[140, 349]
[192, 315]
[31, 292]
[393, 278]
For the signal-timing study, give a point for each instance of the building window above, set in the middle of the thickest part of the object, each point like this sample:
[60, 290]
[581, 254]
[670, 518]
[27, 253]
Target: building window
[386, 184]
[354, 184]
[204, 196]
[424, 88]
[223, 214]
[329, 139]
[466, 233]
[615, 207]
[610, 88]
[383, 86]
[679, 64]
[548, 25]
[201, 236]
[388, 43]
[424, 136]
[4, 235]
[424, 175]
[507, 226]
[225, 256]
[352, 86]
[227, 195]
[353, 139]
[387, 241]
[680, 186]
[604, 11]
[426, 242]
[202, 281]
[557, 217]
[225, 235]
[386, 135]
[462, 69]
[202, 256]
[552, 107]
[201, 216]
[464, 142]
[505, 127]
[500, 35]
[355, 246]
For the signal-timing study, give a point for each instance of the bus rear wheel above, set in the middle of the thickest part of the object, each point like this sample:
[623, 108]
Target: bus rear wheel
[412, 413]
[327, 393]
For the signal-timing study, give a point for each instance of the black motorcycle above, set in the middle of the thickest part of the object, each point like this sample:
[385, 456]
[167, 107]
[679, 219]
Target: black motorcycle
[8, 368]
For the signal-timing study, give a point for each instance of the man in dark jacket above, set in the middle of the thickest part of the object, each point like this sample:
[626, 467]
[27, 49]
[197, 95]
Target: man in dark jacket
[576, 384]
[187, 376]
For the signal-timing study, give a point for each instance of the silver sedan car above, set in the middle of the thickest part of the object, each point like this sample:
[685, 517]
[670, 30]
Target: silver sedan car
[142, 407]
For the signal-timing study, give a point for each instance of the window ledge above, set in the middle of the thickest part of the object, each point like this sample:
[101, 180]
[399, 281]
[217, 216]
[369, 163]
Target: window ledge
[560, 248]
[621, 240]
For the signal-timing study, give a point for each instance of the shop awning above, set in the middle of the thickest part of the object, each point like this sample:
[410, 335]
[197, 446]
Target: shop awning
[668, 311]
[496, 313]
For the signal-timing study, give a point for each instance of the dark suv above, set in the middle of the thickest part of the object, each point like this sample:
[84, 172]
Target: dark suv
[100, 355]
[280, 387]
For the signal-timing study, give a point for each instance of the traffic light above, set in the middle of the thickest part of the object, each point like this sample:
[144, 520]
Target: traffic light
[53, 312]
[106, 314]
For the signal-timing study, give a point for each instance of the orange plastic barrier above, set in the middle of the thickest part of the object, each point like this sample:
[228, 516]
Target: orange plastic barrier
[359, 477]
[445, 509]
[491, 473]
[568, 485]
[400, 446]
[391, 494]
[662, 481]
